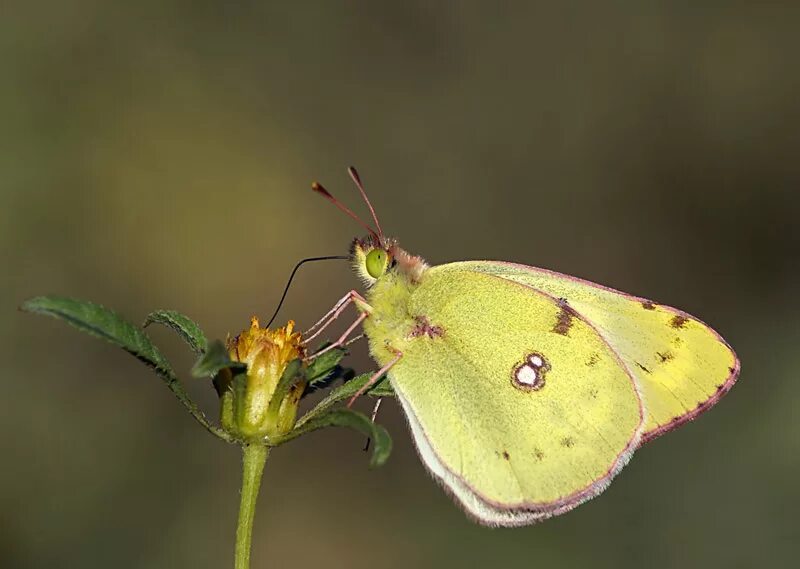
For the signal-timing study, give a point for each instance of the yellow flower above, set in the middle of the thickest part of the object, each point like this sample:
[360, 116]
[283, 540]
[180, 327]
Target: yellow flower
[246, 409]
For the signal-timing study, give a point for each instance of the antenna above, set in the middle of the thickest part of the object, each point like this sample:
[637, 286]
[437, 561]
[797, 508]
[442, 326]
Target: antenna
[357, 179]
[317, 187]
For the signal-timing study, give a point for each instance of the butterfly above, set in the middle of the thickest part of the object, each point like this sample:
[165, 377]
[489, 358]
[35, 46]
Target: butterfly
[526, 390]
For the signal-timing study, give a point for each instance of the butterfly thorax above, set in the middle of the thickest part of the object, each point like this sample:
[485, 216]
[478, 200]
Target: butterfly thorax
[391, 324]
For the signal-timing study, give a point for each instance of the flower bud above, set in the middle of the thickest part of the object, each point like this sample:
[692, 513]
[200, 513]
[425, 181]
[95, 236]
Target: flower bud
[248, 410]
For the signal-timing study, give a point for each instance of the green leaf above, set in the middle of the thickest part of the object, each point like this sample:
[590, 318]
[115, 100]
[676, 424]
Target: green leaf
[324, 364]
[346, 391]
[327, 381]
[291, 374]
[106, 324]
[101, 323]
[215, 360]
[382, 442]
[382, 389]
[183, 325]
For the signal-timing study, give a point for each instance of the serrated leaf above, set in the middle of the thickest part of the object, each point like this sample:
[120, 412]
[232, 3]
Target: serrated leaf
[102, 323]
[382, 442]
[106, 324]
[382, 389]
[215, 360]
[326, 381]
[324, 364]
[346, 391]
[289, 377]
[183, 325]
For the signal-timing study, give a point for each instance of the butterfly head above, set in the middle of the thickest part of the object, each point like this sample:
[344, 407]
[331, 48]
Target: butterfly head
[372, 257]
[375, 256]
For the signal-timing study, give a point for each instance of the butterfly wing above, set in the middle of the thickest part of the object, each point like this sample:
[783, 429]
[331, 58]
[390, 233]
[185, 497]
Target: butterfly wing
[682, 366]
[515, 402]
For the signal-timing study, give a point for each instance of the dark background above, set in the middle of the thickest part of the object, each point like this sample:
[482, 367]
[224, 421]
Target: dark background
[160, 155]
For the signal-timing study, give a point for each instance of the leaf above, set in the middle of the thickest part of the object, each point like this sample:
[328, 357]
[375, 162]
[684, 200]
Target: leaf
[215, 360]
[382, 442]
[346, 391]
[183, 325]
[325, 370]
[106, 324]
[101, 323]
[381, 389]
[327, 381]
[289, 377]
[324, 364]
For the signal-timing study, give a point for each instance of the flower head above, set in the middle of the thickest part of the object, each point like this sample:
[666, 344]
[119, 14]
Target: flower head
[248, 409]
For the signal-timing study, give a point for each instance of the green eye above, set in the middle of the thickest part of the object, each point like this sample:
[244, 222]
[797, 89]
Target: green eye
[376, 262]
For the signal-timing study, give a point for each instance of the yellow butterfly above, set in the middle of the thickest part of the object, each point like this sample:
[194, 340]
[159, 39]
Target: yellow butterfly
[526, 390]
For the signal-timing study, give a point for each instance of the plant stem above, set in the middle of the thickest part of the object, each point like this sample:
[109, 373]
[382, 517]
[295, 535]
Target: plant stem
[254, 456]
[177, 389]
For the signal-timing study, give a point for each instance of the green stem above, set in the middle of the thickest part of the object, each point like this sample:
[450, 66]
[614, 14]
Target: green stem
[254, 456]
[174, 385]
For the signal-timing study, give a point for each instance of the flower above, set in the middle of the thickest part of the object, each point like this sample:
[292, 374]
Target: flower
[248, 410]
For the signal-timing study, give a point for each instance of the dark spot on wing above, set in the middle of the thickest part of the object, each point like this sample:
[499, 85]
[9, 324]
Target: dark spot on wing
[506, 455]
[593, 359]
[593, 393]
[538, 454]
[678, 321]
[677, 341]
[564, 318]
[648, 305]
[568, 442]
[732, 369]
[665, 356]
[423, 328]
[641, 367]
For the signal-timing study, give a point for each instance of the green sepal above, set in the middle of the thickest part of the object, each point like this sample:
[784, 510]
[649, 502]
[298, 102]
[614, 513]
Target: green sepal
[382, 442]
[239, 390]
[214, 360]
[292, 373]
[183, 325]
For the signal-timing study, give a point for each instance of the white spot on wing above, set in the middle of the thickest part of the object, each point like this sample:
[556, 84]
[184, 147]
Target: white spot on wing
[526, 375]
[530, 374]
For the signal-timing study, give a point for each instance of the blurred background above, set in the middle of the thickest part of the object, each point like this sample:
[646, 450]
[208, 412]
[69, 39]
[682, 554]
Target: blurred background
[159, 155]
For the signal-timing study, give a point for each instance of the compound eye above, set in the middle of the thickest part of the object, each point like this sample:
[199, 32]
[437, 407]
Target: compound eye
[376, 262]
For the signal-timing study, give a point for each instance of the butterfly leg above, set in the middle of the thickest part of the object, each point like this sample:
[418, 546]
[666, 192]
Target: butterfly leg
[334, 313]
[376, 376]
[375, 409]
[340, 342]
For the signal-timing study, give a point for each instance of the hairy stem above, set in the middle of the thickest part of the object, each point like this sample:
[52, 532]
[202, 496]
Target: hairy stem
[254, 456]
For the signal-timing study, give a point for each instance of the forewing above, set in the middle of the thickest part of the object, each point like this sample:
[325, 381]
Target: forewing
[513, 446]
[682, 366]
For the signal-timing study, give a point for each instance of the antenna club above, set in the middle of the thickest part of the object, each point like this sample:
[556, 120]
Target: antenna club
[317, 187]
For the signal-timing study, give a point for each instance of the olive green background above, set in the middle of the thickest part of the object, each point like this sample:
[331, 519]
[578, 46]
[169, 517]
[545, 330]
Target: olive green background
[159, 154]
